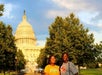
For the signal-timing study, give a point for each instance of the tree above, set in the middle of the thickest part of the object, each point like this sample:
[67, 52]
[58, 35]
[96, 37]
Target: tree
[2, 45]
[7, 48]
[99, 57]
[42, 59]
[20, 61]
[69, 35]
[2, 32]
[11, 49]
[1, 9]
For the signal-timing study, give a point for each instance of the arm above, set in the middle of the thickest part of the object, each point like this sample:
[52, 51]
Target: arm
[59, 70]
[73, 69]
[46, 70]
[76, 74]
[46, 74]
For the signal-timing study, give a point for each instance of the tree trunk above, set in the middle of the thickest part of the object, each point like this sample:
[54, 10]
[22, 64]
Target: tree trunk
[9, 72]
[4, 72]
[79, 69]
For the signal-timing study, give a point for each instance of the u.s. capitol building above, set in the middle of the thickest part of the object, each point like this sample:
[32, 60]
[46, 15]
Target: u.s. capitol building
[25, 40]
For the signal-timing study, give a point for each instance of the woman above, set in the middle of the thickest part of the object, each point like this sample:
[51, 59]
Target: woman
[51, 68]
[67, 68]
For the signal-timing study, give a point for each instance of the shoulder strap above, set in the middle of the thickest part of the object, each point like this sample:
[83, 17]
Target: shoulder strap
[69, 67]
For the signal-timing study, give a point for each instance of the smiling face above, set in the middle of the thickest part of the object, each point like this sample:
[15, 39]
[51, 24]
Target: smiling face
[65, 58]
[52, 60]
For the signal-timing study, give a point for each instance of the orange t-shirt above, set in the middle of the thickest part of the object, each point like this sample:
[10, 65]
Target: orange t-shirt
[52, 70]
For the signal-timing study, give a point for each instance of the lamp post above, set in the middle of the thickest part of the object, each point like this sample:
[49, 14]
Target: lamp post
[16, 64]
[47, 59]
[47, 56]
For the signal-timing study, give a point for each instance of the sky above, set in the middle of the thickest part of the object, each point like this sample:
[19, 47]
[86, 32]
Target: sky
[42, 13]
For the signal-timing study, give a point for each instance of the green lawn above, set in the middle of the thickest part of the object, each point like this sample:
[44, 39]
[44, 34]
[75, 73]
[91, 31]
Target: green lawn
[11, 73]
[91, 72]
[82, 72]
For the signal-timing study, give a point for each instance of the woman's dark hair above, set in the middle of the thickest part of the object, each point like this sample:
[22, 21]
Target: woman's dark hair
[64, 54]
[69, 57]
[60, 62]
[50, 58]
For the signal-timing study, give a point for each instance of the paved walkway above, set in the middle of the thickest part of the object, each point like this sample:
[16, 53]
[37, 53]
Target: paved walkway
[32, 74]
[29, 73]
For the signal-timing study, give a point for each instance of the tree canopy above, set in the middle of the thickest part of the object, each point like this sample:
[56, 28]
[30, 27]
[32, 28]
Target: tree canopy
[20, 61]
[7, 48]
[99, 57]
[69, 35]
[1, 9]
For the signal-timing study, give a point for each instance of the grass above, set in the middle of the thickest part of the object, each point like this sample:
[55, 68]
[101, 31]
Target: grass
[11, 73]
[82, 72]
[91, 72]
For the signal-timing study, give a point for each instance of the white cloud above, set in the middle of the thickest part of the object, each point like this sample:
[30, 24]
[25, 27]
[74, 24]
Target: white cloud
[41, 39]
[74, 5]
[97, 36]
[99, 24]
[7, 11]
[54, 13]
[88, 11]
[63, 3]
[66, 6]
[91, 6]
[87, 17]
[41, 42]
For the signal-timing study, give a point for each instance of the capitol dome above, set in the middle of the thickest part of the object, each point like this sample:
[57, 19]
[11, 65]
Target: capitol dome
[24, 34]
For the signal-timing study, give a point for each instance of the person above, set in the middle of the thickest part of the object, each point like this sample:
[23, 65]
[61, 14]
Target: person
[51, 68]
[67, 68]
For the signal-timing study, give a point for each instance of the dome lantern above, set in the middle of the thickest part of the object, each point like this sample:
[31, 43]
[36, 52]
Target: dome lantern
[24, 16]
